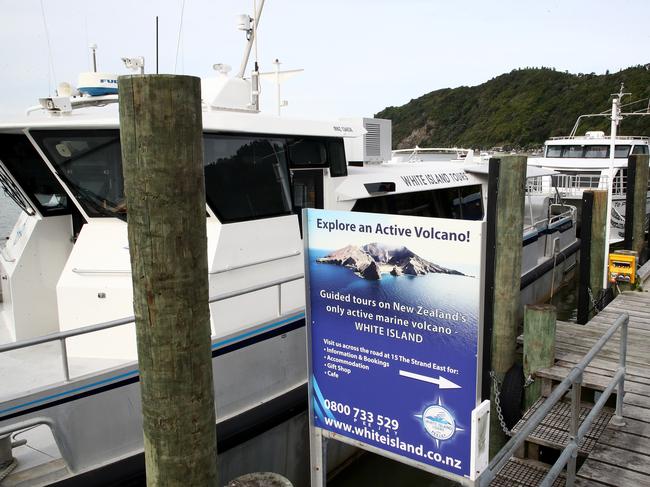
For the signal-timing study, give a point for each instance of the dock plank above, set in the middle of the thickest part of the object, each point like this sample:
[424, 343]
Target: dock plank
[621, 454]
[611, 475]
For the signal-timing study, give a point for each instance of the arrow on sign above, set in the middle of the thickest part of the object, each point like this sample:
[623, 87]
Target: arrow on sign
[440, 381]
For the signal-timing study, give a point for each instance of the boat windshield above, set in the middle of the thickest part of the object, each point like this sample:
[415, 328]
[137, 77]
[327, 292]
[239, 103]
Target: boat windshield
[247, 177]
[90, 163]
[592, 151]
[21, 159]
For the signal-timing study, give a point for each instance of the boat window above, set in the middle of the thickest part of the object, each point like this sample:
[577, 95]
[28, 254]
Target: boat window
[554, 151]
[621, 151]
[318, 152]
[246, 177]
[307, 152]
[572, 151]
[640, 149]
[336, 154]
[577, 179]
[464, 203]
[620, 181]
[307, 186]
[32, 174]
[597, 151]
[90, 163]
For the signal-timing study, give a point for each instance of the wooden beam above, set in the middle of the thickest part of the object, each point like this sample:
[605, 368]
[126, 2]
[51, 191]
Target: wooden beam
[162, 153]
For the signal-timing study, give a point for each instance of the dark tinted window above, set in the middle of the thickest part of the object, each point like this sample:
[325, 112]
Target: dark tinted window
[90, 163]
[464, 203]
[318, 152]
[640, 149]
[338, 164]
[597, 151]
[246, 177]
[32, 174]
[554, 151]
[572, 151]
[622, 151]
[304, 152]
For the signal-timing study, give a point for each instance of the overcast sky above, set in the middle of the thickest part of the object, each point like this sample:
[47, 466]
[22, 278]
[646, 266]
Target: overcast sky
[359, 56]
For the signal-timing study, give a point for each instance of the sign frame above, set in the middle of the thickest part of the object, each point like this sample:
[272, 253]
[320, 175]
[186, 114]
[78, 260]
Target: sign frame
[318, 437]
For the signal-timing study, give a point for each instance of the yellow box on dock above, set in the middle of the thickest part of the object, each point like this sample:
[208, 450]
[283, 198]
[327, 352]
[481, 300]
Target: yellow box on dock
[622, 266]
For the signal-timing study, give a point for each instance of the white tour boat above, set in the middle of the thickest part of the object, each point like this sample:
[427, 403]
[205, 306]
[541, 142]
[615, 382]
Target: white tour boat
[68, 360]
[594, 161]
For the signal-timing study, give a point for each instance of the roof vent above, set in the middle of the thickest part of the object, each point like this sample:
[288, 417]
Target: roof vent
[374, 146]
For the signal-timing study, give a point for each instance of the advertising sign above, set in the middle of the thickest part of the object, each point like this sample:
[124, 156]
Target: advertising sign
[394, 305]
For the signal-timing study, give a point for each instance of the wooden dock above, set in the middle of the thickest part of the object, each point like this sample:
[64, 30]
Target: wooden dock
[612, 456]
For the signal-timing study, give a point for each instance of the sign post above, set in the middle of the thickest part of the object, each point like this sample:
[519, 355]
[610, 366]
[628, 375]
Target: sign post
[394, 313]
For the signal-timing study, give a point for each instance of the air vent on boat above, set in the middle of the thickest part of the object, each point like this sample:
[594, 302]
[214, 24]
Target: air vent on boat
[373, 139]
[374, 146]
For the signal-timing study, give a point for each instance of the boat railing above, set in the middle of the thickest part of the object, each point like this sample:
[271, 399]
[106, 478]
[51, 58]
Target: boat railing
[577, 430]
[568, 213]
[62, 336]
[573, 185]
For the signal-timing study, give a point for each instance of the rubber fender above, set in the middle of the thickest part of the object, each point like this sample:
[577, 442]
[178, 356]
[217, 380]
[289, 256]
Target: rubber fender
[512, 395]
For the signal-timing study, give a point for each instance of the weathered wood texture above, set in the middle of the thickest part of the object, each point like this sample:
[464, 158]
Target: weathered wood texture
[598, 241]
[510, 219]
[507, 277]
[162, 152]
[621, 455]
[539, 345]
[640, 191]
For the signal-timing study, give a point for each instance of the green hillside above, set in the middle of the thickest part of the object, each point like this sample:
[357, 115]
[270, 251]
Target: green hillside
[517, 110]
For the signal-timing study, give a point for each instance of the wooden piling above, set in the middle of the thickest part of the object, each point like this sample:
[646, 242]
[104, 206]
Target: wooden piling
[635, 204]
[504, 248]
[539, 345]
[592, 252]
[162, 153]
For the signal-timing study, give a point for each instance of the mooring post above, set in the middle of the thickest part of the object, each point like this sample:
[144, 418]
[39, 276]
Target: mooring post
[162, 153]
[592, 252]
[635, 203]
[539, 345]
[504, 242]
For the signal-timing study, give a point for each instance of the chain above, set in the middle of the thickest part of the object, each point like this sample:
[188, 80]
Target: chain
[497, 398]
[497, 402]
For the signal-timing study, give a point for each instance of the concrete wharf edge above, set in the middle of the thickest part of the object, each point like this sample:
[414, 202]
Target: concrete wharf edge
[621, 455]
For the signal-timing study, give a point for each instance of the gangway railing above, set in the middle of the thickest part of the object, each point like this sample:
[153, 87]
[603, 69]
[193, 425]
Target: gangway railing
[62, 336]
[577, 431]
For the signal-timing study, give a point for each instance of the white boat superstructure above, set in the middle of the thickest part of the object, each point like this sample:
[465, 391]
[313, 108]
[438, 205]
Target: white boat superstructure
[595, 161]
[68, 359]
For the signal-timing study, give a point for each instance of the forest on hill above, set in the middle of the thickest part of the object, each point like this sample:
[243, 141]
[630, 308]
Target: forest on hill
[519, 110]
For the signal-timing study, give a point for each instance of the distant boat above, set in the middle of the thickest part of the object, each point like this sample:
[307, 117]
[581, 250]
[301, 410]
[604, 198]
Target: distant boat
[590, 161]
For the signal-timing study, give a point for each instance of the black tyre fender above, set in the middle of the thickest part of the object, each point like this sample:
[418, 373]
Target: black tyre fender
[512, 395]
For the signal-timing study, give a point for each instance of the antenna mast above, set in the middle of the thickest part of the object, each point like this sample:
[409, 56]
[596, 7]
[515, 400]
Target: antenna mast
[250, 36]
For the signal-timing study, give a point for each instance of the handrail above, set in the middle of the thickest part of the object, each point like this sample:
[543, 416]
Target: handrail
[63, 335]
[572, 381]
[76, 270]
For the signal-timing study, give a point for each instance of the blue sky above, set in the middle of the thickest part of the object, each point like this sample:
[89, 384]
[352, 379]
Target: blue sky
[359, 56]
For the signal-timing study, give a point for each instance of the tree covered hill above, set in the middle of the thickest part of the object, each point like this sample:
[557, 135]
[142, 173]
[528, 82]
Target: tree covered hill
[519, 109]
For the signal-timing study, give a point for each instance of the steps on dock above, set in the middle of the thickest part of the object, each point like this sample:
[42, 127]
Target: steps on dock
[553, 431]
[524, 473]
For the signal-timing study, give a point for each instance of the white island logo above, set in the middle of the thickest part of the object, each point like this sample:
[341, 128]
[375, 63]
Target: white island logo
[438, 422]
